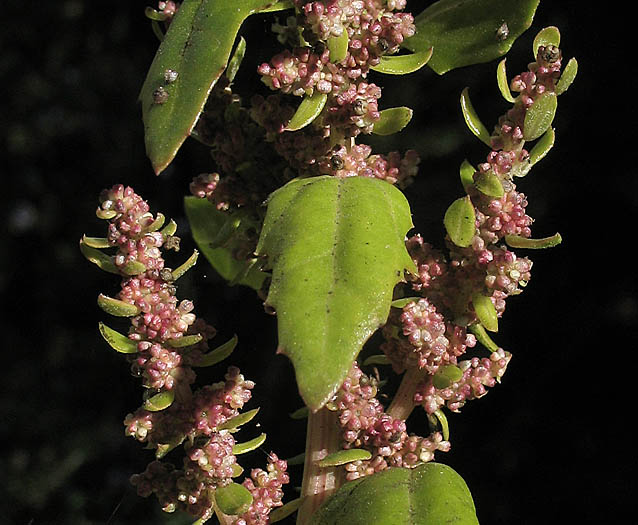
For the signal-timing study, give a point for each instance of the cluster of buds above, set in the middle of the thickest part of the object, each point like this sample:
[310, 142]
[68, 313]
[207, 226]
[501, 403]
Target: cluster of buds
[366, 425]
[164, 343]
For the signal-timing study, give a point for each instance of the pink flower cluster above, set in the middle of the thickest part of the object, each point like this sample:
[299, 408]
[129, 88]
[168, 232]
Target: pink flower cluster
[366, 425]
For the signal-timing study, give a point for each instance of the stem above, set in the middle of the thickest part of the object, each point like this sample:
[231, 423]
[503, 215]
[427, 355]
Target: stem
[319, 483]
[403, 402]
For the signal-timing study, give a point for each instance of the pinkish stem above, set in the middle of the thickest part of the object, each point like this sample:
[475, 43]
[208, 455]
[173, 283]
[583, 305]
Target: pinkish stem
[318, 484]
[403, 402]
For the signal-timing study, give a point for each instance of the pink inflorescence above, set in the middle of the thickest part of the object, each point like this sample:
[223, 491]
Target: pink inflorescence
[366, 425]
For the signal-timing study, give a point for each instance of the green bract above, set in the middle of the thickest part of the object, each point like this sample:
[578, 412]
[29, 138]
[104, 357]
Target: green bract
[197, 47]
[206, 222]
[392, 120]
[464, 32]
[336, 248]
[432, 494]
[233, 498]
[459, 221]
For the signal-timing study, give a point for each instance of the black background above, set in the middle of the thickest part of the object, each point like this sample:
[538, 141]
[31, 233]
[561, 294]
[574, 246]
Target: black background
[547, 445]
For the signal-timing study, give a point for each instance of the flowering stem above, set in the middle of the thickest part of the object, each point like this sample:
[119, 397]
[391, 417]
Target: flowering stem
[318, 483]
[403, 402]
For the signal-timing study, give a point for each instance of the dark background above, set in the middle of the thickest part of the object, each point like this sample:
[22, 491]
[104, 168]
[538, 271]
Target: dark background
[549, 444]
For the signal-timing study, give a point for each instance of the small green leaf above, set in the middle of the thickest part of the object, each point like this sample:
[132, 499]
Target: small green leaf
[503, 84]
[379, 359]
[540, 149]
[105, 214]
[472, 119]
[170, 229]
[338, 47]
[467, 171]
[99, 243]
[540, 115]
[549, 36]
[568, 76]
[446, 375]
[465, 32]
[485, 311]
[197, 45]
[187, 265]
[392, 120]
[489, 184]
[133, 268]
[299, 459]
[157, 223]
[516, 241]
[236, 60]
[227, 230]
[403, 302]
[153, 14]
[344, 456]
[233, 499]
[308, 110]
[160, 401]
[206, 221]
[460, 221]
[238, 421]
[403, 64]
[118, 341]
[184, 341]
[116, 307]
[337, 248]
[284, 511]
[219, 354]
[249, 446]
[482, 337]
[430, 494]
[300, 413]
[100, 259]
[238, 470]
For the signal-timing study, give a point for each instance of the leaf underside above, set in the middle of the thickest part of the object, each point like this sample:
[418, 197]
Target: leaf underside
[465, 32]
[431, 494]
[197, 46]
[337, 249]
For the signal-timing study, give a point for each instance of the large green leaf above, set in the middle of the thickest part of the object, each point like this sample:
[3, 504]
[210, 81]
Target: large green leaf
[336, 248]
[206, 222]
[197, 47]
[465, 32]
[432, 494]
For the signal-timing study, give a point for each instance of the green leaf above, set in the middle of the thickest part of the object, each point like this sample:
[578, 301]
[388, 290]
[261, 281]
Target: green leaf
[431, 494]
[540, 149]
[219, 354]
[197, 46]
[392, 120]
[472, 119]
[284, 511]
[156, 224]
[116, 307]
[446, 375]
[568, 76]
[540, 115]
[236, 60]
[378, 359]
[300, 413]
[185, 266]
[467, 171]
[460, 221]
[233, 499]
[489, 184]
[403, 302]
[98, 243]
[516, 241]
[464, 32]
[206, 221]
[337, 248]
[403, 64]
[237, 421]
[485, 311]
[133, 268]
[118, 341]
[501, 80]
[344, 456]
[160, 401]
[170, 229]
[184, 341]
[549, 36]
[100, 259]
[483, 337]
[249, 446]
[307, 111]
[338, 47]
